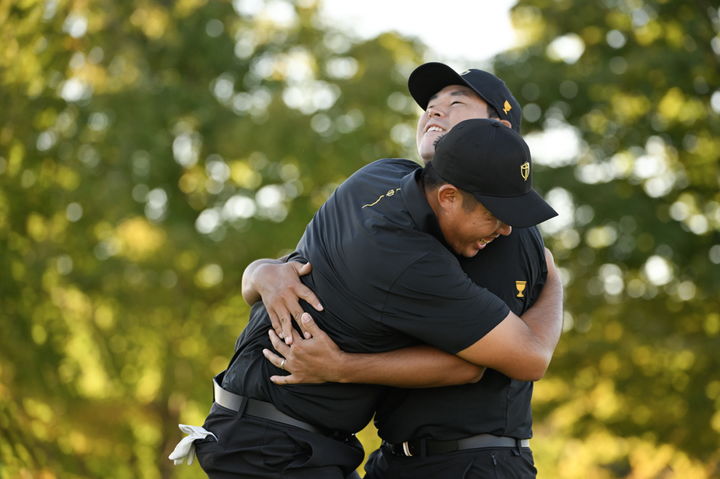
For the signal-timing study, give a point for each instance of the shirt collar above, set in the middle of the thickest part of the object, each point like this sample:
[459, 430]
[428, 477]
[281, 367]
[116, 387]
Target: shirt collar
[414, 197]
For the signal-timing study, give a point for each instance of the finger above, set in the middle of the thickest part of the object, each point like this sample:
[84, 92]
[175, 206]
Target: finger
[307, 294]
[275, 322]
[281, 321]
[282, 380]
[278, 344]
[286, 328]
[309, 326]
[304, 269]
[303, 291]
[273, 358]
[295, 336]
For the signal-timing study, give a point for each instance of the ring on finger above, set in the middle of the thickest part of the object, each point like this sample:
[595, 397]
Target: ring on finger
[282, 364]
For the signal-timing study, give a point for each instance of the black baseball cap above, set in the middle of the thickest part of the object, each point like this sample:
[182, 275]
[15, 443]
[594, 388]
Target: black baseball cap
[429, 78]
[491, 161]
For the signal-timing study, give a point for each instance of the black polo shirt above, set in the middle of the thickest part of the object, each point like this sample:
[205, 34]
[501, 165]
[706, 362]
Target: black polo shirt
[386, 281]
[496, 404]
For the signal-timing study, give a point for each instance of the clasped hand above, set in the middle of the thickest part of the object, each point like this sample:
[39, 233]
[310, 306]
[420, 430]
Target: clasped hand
[281, 290]
[311, 358]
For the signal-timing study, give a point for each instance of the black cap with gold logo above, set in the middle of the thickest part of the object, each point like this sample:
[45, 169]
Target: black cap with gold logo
[493, 162]
[429, 78]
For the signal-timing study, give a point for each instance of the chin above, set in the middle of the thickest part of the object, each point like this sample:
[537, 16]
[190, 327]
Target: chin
[426, 152]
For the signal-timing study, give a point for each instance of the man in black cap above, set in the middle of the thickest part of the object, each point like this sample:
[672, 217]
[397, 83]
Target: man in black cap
[383, 252]
[513, 268]
[455, 97]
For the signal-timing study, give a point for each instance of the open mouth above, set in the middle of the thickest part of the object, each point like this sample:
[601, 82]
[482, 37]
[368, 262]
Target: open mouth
[434, 127]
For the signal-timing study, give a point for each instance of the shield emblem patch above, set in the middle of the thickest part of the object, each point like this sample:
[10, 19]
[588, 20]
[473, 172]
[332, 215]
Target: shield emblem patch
[525, 170]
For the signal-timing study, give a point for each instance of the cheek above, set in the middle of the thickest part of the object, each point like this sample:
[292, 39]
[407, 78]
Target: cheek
[482, 228]
[469, 113]
[420, 126]
[424, 146]
[468, 230]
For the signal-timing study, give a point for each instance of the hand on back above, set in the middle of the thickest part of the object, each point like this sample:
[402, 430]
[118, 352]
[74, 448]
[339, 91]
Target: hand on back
[281, 290]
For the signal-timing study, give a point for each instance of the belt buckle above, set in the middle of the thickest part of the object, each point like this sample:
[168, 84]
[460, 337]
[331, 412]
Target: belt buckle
[406, 449]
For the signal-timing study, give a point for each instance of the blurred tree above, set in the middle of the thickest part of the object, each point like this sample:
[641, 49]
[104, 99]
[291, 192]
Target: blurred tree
[148, 151]
[622, 100]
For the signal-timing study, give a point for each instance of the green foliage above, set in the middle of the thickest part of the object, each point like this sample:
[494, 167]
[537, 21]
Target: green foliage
[635, 373]
[149, 150]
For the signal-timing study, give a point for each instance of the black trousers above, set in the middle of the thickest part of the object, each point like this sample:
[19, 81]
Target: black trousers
[251, 447]
[487, 463]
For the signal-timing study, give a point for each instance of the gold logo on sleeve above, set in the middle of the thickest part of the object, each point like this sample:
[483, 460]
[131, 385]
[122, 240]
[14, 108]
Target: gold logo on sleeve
[525, 170]
[389, 193]
[520, 285]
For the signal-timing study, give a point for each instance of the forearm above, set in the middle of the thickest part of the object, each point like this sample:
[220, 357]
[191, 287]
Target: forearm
[545, 317]
[522, 347]
[413, 367]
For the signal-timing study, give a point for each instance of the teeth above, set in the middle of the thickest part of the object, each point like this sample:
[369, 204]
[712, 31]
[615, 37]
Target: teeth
[434, 128]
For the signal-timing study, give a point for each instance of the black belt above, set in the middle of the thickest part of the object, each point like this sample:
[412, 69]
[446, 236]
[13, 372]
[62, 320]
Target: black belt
[266, 410]
[257, 408]
[430, 447]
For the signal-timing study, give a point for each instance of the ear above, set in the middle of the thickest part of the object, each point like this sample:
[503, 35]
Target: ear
[448, 196]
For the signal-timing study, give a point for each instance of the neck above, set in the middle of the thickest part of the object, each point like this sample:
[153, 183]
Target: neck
[431, 197]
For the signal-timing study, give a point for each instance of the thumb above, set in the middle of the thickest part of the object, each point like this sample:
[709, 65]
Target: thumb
[304, 269]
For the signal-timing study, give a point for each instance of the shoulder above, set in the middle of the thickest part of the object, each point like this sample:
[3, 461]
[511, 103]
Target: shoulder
[521, 251]
[379, 175]
[400, 166]
[531, 234]
[528, 239]
[531, 242]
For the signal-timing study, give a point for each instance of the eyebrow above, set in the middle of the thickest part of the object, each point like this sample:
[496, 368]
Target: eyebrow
[461, 92]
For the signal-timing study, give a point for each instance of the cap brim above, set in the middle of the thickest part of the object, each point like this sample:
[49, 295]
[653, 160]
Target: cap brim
[429, 78]
[519, 211]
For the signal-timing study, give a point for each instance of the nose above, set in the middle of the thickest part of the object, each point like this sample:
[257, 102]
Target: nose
[434, 111]
[504, 229]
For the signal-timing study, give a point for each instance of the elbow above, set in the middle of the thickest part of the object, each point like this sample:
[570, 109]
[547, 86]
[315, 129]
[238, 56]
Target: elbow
[536, 375]
[476, 376]
[534, 369]
[537, 363]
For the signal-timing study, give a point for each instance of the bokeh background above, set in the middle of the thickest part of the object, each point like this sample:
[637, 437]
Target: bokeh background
[149, 150]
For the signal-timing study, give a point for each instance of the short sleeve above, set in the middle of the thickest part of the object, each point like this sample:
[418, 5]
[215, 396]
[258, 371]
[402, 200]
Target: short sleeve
[434, 301]
[294, 256]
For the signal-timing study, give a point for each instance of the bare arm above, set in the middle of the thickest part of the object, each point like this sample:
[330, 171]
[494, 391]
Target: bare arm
[277, 284]
[316, 359]
[518, 347]
[522, 347]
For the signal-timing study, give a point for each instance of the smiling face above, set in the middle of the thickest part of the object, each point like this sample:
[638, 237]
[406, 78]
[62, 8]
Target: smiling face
[447, 108]
[466, 224]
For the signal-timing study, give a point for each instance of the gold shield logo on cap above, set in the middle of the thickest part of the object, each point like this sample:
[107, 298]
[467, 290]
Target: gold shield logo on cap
[507, 107]
[525, 170]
